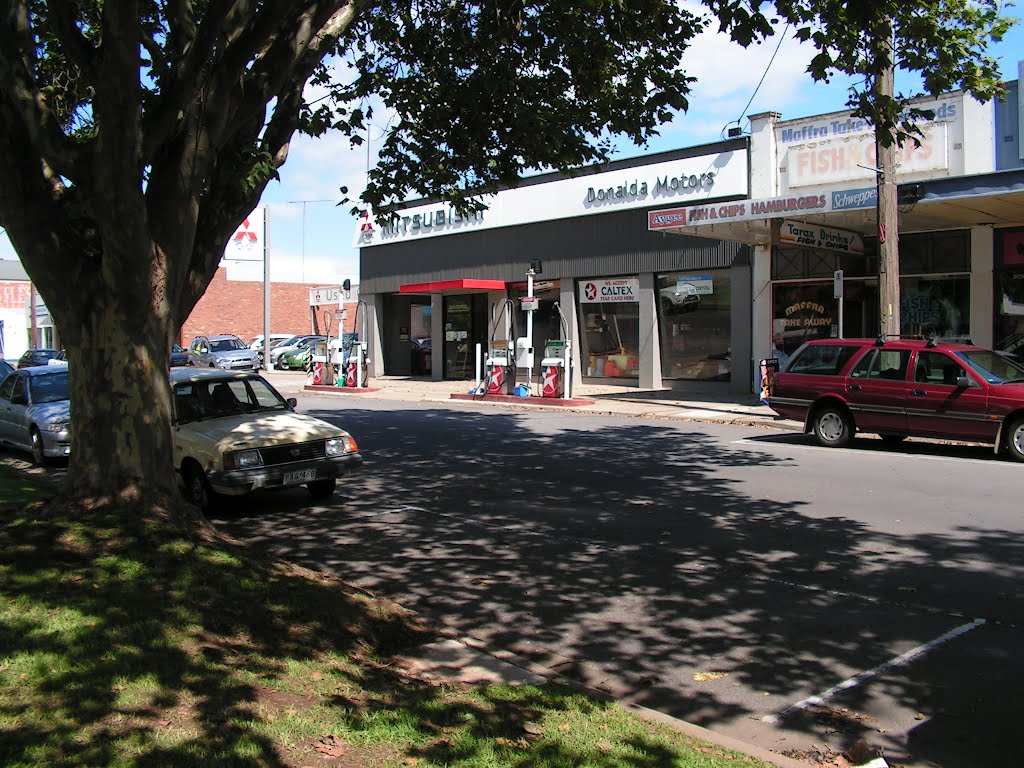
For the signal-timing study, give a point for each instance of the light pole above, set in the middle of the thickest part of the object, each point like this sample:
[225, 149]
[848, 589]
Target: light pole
[304, 203]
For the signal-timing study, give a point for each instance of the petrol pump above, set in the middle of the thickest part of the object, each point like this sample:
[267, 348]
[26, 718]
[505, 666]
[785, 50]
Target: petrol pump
[524, 344]
[318, 364]
[357, 366]
[557, 363]
[498, 365]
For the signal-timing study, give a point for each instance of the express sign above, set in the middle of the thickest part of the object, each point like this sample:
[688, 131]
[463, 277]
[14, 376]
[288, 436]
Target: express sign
[610, 291]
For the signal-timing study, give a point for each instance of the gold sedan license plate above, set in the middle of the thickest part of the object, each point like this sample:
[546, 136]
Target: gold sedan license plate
[302, 476]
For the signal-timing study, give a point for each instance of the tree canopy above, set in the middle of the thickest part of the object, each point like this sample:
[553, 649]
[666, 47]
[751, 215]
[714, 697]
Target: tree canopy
[136, 135]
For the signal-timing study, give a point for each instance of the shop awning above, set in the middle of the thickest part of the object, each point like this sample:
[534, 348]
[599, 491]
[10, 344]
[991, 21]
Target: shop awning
[994, 199]
[469, 285]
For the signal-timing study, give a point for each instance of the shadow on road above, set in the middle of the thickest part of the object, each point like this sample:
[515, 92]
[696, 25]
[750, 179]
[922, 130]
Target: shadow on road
[626, 558]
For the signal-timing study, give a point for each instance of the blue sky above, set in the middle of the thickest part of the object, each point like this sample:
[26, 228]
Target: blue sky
[311, 235]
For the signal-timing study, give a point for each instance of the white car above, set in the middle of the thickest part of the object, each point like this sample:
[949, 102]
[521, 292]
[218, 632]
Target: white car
[275, 338]
[679, 298]
[225, 351]
[235, 434]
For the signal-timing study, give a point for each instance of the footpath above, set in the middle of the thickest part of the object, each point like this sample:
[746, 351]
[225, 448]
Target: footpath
[692, 402]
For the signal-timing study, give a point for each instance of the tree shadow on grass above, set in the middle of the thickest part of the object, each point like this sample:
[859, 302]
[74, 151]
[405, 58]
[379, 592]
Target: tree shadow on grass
[128, 640]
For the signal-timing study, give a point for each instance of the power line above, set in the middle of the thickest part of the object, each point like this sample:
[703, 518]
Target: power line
[760, 82]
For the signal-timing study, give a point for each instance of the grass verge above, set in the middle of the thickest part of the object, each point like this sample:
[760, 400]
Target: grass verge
[126, 641]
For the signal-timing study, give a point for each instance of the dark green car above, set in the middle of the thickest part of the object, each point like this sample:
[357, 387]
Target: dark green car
[295, 361]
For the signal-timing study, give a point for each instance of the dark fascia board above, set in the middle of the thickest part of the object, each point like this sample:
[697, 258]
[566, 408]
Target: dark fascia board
[995, 183]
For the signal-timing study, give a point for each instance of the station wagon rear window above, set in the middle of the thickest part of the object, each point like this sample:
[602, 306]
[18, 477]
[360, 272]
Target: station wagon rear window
[822, 359]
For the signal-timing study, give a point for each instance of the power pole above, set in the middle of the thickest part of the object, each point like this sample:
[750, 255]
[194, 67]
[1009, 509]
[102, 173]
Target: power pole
[888, 214]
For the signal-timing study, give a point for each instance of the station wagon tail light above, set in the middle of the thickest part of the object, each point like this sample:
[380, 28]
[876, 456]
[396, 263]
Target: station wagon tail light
[242, 460]
[336, 446]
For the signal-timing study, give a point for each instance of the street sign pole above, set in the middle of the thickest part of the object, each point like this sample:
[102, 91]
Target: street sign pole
[837, 292]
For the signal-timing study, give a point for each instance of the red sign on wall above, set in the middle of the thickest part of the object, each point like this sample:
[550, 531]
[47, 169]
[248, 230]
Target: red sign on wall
[1012, 251]
[14, 295]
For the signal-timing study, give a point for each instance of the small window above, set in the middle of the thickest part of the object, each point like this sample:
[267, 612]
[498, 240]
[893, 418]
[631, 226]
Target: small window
[888, 364]
[8, 386]
[20, 394]
[822, 359]
[935, 368]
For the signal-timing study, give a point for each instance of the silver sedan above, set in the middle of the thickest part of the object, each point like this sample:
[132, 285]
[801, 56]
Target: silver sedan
[35, 413]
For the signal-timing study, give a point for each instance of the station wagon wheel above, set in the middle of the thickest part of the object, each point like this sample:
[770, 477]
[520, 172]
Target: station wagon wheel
[832, 426]
[1015, 439]
[35, 440]
[322, 489]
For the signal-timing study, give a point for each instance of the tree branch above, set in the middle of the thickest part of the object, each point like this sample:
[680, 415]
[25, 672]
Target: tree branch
[42, 130]
[192, 50]
[75, 45]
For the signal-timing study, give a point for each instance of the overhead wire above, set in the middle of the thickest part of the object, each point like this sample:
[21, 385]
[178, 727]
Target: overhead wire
[760, 82]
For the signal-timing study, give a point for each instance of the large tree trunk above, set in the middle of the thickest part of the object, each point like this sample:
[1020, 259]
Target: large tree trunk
[120, 389]
[118, 359]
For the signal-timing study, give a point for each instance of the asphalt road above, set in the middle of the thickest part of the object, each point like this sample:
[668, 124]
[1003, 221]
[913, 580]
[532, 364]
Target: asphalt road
[742, 579]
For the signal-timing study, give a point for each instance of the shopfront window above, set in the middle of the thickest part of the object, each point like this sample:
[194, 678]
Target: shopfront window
[695, 318]
[610, 321]
[935, 287]
[1009, 291]
[935, 306]
[803, 311]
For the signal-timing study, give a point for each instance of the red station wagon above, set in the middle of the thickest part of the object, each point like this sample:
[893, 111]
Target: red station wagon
[900, 388]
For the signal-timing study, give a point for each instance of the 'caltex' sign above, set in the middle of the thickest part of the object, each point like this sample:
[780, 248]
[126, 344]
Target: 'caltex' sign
[625, 289]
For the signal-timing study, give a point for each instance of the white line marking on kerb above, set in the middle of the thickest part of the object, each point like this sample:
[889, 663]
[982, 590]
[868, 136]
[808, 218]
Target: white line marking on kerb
[850, 682]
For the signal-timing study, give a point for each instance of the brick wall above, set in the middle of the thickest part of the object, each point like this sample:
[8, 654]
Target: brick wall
[236, 306]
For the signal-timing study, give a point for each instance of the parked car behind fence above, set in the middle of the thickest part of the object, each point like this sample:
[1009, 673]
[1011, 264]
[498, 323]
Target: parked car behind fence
[37, 357]
[226, 352]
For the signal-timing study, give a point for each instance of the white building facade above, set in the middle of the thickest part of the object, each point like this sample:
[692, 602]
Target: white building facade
[684, 268]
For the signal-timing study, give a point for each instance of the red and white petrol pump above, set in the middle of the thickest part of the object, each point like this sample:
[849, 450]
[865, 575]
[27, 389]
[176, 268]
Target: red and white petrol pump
[498, 366]
[556, 365]
[357, 365]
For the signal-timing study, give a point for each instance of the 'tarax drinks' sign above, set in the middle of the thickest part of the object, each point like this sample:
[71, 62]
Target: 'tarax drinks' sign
[815, 236]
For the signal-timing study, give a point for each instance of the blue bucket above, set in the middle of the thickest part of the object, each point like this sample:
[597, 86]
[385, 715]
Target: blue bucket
[521, 390]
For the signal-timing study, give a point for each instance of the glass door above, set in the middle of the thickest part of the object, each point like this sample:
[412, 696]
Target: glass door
[465, 325]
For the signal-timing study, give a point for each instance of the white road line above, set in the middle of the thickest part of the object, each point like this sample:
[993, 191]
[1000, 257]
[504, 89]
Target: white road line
[850, 682]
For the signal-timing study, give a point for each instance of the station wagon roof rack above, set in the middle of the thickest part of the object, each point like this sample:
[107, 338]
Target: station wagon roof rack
[934, 341]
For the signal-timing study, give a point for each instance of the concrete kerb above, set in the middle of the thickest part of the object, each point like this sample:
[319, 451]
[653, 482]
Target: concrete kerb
[611, 401]
[696, 731]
